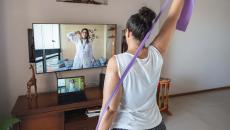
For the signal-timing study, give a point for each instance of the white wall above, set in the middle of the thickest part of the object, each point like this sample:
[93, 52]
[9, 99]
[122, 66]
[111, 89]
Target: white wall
[198, 59]
[16, 16]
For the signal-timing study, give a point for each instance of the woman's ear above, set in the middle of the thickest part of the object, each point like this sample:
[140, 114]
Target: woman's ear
[128, 33]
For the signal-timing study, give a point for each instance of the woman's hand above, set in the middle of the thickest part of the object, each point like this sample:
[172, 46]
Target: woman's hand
[78, 34]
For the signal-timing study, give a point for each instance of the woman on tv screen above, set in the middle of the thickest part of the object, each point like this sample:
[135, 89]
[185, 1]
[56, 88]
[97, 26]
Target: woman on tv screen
[62, 47]
[84, 53]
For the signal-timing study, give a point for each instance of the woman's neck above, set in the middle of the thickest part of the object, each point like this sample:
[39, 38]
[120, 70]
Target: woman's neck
[132, 48]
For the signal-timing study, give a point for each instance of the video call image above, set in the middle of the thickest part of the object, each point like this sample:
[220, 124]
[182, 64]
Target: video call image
[60, 47]
[68, 85]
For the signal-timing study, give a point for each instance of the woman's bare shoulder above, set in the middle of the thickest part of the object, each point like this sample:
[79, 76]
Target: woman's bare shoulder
[112, 64]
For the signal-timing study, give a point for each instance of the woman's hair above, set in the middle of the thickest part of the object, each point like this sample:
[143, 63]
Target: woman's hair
[87, 32]
[140, 23]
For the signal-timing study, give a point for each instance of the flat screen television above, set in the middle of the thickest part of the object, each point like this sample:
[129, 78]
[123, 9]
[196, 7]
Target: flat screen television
[62, 47]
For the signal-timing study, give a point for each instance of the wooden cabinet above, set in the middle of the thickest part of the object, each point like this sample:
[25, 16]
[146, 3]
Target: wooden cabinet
[82, 124]
[47, 121]
[44, 112]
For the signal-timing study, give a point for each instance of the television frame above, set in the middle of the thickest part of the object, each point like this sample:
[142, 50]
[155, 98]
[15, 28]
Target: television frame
[113, 49]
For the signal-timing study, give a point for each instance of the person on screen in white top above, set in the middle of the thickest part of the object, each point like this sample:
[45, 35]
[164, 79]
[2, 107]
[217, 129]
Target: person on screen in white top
[134, 107]
[84, 53]
[72, 86]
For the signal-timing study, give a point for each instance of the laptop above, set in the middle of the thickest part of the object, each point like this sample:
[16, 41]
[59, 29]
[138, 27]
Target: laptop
[71, 90]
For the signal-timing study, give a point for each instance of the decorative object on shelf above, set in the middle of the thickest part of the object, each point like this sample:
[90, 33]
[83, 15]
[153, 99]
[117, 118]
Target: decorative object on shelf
[95, 2]
[31, 104]
[30, 83]
[113, 31]
[163, 95]
[92, 34]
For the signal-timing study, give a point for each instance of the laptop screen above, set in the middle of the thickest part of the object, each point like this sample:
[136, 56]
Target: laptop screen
[70, 84]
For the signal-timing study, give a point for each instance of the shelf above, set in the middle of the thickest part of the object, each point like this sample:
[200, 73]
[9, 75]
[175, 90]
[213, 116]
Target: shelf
[111, 37]
[111, 29]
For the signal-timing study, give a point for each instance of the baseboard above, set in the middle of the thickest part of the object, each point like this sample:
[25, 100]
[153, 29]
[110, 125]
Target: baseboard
[197, 92]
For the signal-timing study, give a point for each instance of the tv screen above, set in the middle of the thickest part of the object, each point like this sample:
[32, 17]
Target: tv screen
[62, 47]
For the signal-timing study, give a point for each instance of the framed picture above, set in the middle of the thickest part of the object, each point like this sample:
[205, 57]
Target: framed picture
[96, 2]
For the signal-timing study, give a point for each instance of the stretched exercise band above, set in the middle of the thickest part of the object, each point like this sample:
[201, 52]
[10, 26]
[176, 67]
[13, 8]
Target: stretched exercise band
[185, 16]
[181, 25]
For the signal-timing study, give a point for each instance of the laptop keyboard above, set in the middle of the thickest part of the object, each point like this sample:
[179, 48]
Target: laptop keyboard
[71, 97]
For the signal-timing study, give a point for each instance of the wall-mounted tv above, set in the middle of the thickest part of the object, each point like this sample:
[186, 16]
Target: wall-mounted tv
[62, 47]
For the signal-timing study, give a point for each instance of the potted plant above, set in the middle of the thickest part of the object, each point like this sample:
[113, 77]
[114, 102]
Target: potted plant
[8, 123]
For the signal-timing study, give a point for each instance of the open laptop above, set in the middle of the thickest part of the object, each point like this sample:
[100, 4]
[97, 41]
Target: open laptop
[71, 89]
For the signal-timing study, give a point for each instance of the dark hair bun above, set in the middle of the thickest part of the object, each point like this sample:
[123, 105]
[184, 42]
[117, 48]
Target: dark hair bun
[140, 23]
[147, 14]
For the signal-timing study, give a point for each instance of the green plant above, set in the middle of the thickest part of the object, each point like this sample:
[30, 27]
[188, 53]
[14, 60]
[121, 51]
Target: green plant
[8, 123]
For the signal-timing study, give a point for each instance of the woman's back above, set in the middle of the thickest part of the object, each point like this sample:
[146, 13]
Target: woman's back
[138, 108]
[134, 105]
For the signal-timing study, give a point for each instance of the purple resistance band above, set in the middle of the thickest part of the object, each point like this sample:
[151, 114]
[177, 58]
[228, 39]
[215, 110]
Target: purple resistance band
[185, 16]
[181, 25]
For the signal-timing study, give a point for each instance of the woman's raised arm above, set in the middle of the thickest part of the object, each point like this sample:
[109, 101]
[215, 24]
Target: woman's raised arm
[162, 40]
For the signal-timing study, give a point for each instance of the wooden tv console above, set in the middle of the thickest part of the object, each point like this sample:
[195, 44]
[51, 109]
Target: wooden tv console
[44, 112]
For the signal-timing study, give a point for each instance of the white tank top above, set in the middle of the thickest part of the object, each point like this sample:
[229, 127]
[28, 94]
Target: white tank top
[138, 109]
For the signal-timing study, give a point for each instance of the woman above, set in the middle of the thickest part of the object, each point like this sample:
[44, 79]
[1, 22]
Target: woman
[72, 86]
[84, 53]
[134, 107]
